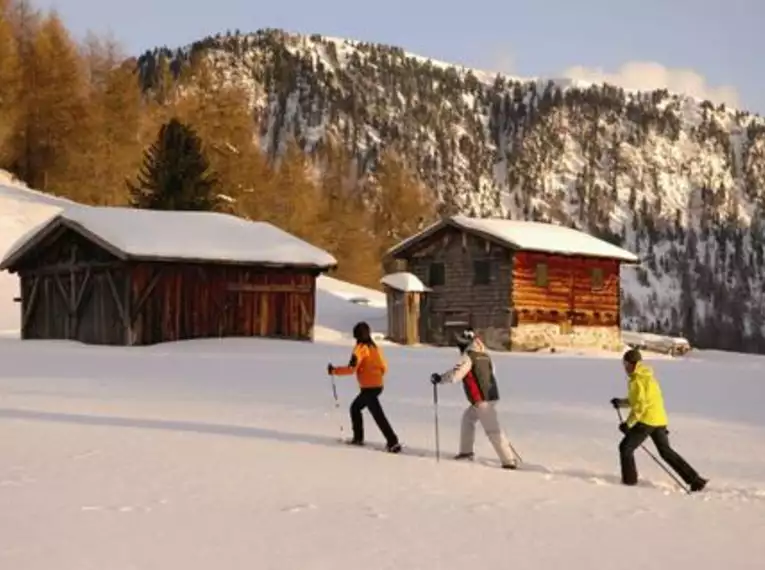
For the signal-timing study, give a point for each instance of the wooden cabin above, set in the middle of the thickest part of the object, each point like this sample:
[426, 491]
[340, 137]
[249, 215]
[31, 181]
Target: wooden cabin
[122, 276]
[403, 292]
[522, 285]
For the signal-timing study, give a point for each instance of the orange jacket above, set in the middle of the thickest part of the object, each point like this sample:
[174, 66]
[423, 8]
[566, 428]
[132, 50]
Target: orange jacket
[368, 362]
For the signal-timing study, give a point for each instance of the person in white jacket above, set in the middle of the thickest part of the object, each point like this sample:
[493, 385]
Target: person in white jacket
[475, 370]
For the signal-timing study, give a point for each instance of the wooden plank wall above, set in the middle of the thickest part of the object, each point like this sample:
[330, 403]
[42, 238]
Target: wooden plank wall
[394, 302]
[569, 293]
[197, 301]
[76, 305]
[403, 316]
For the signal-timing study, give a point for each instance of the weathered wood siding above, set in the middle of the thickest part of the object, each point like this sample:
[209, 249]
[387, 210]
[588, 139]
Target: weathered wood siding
[73, 289]
[403, 316]
[67, 288]
[584, 291]
[459, 301]
[175, 302]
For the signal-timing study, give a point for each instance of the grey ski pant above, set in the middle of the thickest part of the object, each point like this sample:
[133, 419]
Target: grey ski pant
[486, 413]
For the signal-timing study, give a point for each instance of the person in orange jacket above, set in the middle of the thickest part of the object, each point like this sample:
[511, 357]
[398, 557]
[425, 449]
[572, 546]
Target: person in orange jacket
[368, 363]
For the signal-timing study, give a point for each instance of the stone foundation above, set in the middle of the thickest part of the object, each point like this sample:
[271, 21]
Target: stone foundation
[495, 338]
[539, 336]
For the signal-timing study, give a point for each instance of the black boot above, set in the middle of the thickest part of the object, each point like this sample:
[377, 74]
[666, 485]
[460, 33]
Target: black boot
[469, 456]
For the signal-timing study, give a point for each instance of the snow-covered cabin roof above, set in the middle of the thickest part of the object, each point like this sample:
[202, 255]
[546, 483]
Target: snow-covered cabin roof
[528, 236]
[404, 281]
[192, 236]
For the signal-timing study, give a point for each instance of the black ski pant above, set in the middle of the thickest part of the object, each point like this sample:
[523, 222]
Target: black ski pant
[660, 437]
[369, 398]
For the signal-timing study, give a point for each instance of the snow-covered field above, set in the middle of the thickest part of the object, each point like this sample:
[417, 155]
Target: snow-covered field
[223, 454]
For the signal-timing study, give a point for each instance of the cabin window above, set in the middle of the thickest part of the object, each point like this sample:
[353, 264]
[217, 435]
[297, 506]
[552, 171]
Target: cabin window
[541, 275]
[481, 272]
[436, 275]
[596, 277]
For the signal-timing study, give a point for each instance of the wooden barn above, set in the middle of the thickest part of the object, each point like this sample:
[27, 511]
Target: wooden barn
[122, 276]
[403, 293]
[521, 285]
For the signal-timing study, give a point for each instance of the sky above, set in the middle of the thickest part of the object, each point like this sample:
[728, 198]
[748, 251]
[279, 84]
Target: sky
[705, 48]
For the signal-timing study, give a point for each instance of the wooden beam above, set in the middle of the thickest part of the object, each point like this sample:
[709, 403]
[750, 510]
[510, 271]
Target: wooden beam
[263, 315]
[128, 305]
[30, 303]
[81, 292]
[145, 294]
[77, 267]
[255, 288]
[61, 290]
[116, 297]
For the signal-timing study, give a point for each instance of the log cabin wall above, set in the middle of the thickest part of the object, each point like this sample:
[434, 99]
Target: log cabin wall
[470, 280]
[185, 301]
[562, 300]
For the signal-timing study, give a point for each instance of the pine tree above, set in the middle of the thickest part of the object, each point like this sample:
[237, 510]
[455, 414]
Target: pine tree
[175, 174]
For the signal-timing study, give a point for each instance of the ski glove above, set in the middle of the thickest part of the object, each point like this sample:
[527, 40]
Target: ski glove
[616, 403]
[624, 428]
[435, 378]
[330, 369]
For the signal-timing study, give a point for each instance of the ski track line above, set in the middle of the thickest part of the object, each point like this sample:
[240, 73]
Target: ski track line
[549, 474]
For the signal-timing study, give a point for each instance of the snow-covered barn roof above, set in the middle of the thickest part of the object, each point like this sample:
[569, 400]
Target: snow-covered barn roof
[404, 281]
[528, 236]
[192, 236]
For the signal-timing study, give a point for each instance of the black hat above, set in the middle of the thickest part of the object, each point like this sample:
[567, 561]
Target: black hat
[632, 356]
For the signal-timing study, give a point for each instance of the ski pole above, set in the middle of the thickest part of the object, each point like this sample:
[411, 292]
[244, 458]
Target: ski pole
[435, 417]
[337, 407]
[656, 459]
[517, 455]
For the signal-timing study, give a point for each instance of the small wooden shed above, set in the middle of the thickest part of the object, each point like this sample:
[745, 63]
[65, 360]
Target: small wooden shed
[403, 293]
[123, 276]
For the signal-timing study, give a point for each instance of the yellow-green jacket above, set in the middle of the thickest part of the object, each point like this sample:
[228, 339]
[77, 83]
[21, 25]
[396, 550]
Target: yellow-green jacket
[645, 399]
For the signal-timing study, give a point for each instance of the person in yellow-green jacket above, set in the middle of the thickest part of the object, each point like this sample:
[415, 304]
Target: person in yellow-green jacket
[647, 418]
[368, 363]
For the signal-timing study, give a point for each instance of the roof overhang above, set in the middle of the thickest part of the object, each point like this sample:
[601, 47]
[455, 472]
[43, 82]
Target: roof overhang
[28, 243]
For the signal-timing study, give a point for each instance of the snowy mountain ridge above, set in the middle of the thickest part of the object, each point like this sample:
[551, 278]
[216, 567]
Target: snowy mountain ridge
[677, 181]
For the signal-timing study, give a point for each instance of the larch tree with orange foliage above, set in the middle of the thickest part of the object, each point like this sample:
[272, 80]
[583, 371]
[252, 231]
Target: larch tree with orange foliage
[221, 113]
[400, 204]
[48, 136]
[112, 150]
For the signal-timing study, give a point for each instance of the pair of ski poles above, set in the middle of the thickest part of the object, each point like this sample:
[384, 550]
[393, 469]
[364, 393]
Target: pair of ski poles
[435, 421]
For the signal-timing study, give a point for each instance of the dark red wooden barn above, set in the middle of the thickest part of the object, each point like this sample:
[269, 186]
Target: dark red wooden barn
[122, 276]
[522, 285]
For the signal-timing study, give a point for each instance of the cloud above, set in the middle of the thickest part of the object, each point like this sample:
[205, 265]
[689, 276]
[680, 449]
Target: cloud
[647, 76]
